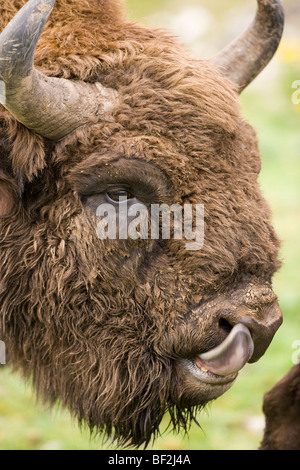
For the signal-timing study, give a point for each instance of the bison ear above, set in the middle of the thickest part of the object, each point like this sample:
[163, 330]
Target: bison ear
[8, 194]
[249, 54]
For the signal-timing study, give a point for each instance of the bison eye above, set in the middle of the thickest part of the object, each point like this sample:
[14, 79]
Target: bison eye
[118, 194]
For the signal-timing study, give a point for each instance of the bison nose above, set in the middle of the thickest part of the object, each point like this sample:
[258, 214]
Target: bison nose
[262, 324]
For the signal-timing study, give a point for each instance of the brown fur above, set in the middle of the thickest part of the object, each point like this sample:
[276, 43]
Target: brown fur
[282, 410]
[99, 325]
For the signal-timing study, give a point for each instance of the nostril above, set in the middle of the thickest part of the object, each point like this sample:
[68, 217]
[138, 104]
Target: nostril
[225, 325]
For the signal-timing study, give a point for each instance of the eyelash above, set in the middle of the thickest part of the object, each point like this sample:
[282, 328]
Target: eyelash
[119, 193]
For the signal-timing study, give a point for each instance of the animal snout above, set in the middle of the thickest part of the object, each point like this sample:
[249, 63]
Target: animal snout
[262, 323]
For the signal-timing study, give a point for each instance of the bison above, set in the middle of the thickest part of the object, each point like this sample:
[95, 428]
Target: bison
[282, 411]
[98, 110]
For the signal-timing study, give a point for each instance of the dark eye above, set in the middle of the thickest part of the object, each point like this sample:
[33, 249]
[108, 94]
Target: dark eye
[118, 194]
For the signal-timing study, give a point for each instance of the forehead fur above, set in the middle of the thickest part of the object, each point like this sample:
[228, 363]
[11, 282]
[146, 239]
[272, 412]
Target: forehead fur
[146, 64]
[163, 92]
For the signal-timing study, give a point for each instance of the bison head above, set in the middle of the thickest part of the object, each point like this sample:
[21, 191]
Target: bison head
[123, 330]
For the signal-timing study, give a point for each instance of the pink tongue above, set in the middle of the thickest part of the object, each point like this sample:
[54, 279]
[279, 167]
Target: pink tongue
[230, 356]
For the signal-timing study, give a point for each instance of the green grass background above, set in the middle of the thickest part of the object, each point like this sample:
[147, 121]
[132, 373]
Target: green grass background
[235, 421]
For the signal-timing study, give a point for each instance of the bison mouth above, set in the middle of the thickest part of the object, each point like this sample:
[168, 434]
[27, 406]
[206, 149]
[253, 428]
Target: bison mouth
[220, 365]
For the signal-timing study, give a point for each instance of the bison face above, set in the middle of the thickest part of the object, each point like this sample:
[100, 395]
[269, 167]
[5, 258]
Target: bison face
[205, 312]
[122, 329]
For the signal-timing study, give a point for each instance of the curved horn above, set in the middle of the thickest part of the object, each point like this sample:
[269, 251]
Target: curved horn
[248, 55]
[52, 107]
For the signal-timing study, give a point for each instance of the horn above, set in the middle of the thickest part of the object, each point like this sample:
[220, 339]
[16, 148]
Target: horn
[52, 107]
[248, 55]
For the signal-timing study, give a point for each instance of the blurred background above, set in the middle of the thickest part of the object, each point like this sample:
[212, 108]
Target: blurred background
[235, 421]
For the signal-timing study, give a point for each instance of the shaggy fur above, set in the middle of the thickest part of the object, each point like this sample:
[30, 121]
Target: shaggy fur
[100, 325]
[282, 410]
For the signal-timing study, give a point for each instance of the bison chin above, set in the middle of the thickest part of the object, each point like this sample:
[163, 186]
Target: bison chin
[131, 391]
[128, 400]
